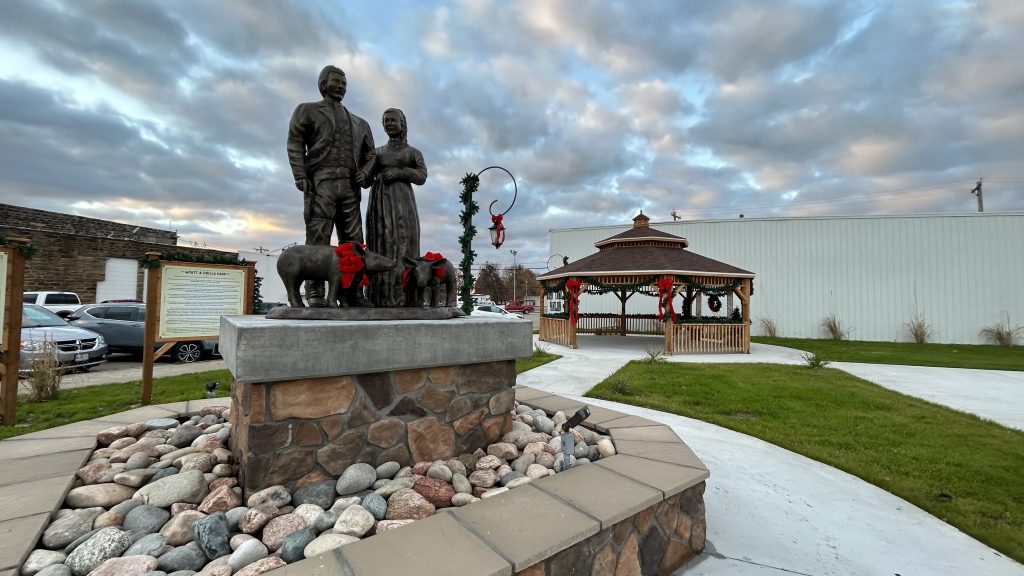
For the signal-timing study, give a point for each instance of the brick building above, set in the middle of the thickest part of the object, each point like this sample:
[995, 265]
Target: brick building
[98, 259]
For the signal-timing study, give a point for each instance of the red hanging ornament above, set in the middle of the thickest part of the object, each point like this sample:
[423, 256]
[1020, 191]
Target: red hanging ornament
[572, 290]
[497, 231]
[665, 298]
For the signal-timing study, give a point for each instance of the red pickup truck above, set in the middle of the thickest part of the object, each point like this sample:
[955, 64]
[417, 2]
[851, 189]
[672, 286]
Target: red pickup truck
[519, 307]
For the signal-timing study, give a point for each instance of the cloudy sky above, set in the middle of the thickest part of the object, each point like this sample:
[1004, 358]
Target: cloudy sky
[174, 114]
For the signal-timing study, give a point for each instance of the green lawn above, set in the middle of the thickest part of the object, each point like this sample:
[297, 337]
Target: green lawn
[908, 353]
[963, 470]
[94, 401]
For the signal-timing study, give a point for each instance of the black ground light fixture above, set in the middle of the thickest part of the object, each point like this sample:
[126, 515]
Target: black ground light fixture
[211, 389]
[577, 418]
[568, 439]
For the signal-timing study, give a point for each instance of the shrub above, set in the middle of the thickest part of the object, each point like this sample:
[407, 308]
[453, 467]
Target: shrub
[1002, 333]
[539, 348]
[919, 329]
[813, 361]
[768, 328]
[44, 380]
[833, 328]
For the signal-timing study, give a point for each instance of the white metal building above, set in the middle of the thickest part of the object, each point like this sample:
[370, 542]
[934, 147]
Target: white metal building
[959, 272]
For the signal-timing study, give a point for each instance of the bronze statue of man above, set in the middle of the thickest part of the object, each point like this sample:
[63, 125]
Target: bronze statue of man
[329, 149]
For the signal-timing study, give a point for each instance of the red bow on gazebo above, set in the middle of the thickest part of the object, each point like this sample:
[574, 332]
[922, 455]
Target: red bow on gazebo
[350, 265]
[665, 298]
[572, 290]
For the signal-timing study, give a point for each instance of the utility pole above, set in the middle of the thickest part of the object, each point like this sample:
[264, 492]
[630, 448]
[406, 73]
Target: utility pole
[977, 192]
[513, 274]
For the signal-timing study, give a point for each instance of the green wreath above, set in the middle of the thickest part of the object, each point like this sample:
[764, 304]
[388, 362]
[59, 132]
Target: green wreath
[714, 304]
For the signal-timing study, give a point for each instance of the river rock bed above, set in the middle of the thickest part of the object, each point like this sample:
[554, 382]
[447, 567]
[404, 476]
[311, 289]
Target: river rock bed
[162, 497]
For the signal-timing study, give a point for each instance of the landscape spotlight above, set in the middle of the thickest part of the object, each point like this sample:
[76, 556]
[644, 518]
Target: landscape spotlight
[211, 389]
[580, 415]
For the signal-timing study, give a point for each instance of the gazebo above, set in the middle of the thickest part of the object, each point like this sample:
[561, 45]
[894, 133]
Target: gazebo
[650, 262]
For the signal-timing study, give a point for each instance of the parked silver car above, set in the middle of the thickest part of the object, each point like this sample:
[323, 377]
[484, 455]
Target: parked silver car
[123, 324]
[43, 331]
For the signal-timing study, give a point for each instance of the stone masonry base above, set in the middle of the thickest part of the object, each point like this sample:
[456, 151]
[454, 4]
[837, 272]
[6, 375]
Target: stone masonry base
[296, 432]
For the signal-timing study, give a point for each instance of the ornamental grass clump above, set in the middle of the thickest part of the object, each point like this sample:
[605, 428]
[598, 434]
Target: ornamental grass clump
[1002, 333]
[621, 387]
[44, 380]
[814, 361]
[768, 328]
[833, 328]
[653, 355]
[919, 329]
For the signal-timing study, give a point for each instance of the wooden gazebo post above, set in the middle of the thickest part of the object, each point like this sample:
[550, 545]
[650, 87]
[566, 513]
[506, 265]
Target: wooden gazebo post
[745, 299]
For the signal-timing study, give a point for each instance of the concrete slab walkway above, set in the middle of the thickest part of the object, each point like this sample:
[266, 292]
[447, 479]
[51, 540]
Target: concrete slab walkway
[771, 511]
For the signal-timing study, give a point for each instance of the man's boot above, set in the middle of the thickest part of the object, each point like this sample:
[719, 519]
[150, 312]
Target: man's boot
[315, 294]
[358, 299]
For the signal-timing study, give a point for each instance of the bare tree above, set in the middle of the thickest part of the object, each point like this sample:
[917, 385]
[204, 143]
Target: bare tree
[490, 282]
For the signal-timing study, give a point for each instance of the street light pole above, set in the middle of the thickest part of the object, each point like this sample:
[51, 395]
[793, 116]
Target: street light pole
[513, 275]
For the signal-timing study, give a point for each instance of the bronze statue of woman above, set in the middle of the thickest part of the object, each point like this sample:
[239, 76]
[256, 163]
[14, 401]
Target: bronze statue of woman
[392, 222]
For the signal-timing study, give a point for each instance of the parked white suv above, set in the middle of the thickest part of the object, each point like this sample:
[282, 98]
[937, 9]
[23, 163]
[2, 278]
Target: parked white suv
[60, 303]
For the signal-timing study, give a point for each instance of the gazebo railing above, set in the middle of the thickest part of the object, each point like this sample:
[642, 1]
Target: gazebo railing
[606, 323]
[557, 331]
[710, 338]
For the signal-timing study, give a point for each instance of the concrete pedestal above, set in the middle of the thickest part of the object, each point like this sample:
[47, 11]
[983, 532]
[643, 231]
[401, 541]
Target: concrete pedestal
[310, 398]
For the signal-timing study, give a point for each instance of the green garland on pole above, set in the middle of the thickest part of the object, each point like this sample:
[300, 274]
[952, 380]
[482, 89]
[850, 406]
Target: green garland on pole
[26, 250]
[470, 184]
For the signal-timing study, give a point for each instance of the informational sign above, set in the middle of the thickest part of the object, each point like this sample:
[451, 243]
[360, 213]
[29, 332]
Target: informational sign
[194, 297]
[3, 297]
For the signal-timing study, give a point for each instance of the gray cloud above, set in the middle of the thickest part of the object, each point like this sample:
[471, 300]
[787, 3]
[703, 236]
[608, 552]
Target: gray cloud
[599, 109]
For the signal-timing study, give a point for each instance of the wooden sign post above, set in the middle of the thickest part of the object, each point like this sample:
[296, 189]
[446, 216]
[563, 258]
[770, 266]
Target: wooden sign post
[185, 300]
[12, 284]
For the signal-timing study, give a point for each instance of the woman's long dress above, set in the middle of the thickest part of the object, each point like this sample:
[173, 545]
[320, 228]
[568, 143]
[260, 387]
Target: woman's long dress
[392, 222]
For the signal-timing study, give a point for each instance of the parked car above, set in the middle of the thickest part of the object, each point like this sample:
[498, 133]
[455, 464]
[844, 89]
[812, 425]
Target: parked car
[42, 331]
[519, 307]
[494, 311]
[60, 303]
[268, 306]
[123, 324]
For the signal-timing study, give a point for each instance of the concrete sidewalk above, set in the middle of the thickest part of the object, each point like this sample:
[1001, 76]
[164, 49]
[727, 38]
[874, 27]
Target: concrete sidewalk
[771, 511]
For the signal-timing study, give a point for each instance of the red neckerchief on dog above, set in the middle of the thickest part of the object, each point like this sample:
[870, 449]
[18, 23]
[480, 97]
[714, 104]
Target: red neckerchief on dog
[429, 257]
[434, 257]
[350, 264]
